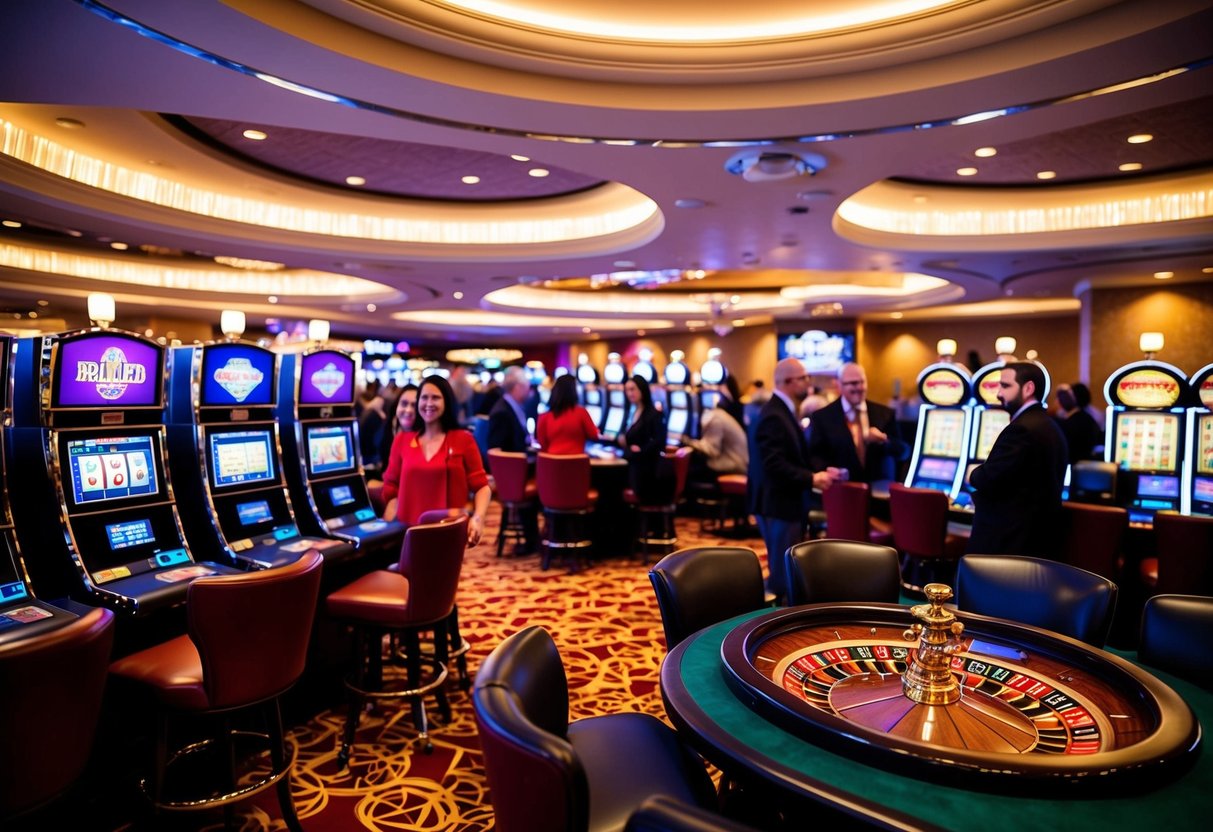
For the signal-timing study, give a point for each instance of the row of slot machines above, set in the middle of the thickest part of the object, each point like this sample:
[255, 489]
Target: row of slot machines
[132, 469]
[1158, 448]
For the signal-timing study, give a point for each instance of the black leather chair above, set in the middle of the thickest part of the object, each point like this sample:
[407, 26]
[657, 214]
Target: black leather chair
[1043, 593]
[698, 587]
[664, 814]
[827, 570]
[546, 775]
[1177, 636]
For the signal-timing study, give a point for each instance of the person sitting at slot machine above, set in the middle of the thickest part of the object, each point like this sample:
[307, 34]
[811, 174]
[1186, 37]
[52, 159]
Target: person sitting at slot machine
[642, 444]
[1080, 430]
[855, 434]
[567, 426]
[722, 447]
[1017, 490]
[436, 463]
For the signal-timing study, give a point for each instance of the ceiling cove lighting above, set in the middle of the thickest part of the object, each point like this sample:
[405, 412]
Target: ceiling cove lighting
[255, 135]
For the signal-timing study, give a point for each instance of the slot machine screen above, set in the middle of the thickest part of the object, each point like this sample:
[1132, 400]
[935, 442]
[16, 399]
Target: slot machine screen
[330, 449]
[595, 413]
[326, 377]
[943, 434]
[1147, 441]
[254, 513]
[676, 425]
[614, 421]
[709, 398]
[244, 457]
[1203, 464]
[236, 374]
[107, 370]
[1157, 486]
[679, 399]
[941, 470]
[1202, 493]
[136, 543]
[12, 584]
[341, 495]
[110, 469]
[990, 425]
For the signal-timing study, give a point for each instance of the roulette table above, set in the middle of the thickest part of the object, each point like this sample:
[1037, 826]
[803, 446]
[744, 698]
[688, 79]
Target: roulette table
[809, 704]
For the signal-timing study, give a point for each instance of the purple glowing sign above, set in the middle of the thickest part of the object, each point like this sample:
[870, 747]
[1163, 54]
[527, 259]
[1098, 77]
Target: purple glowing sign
[107, 370]
[326, 377]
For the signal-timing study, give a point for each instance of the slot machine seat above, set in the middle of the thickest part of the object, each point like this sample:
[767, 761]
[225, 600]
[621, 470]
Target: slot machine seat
[656, 527]
[1091, 537]
[1184, 555]
[515, 490]
[51, 688]
[701, 586]
[848, 508]
[828, 570]
[1042, 593]
[246, 646]
[417, 597]
[563, 485]
[929, 552]
[1177, 636]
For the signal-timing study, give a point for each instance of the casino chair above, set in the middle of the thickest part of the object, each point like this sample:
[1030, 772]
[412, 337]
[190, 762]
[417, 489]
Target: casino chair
[515, 490]
[1042, 593]
[698, 587]
[827, 570]
[848, 508]
[418, 596]
[563, 484]
[1184, 561]
[1177, 636]
[664, 814]
[457, 645]
[656, 527]
[1091, 537]
[51, 688]
[246, 646]
[920, 533]
[547, 775]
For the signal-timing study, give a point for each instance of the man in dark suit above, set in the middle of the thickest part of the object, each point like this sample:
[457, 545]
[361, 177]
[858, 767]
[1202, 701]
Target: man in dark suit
[507, 432]
[779, 476]
[1017, 490]
[855, 434]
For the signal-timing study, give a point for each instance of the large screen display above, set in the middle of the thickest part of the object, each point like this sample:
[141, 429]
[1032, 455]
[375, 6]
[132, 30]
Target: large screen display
[1204, 444]
[241, 457]
[676, 425]
[944, 432]
[1146, 441]
[990, 423]
[330, 448]
[326, 377]
[107, 370]
[111, 468]
[820, 352]
[236, 374]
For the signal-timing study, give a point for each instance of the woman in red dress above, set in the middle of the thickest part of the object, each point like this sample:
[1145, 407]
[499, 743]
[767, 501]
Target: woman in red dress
[567, 426]
[436, 464]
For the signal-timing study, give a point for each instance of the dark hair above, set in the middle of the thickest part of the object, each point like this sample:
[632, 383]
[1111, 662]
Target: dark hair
[563, 395]
[1026, 371]
[450, 411]
[733, 387]
[1082, 394]
[646, 395]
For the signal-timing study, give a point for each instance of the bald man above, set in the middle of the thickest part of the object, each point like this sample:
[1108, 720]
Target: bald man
[856, 434]
[780, 479]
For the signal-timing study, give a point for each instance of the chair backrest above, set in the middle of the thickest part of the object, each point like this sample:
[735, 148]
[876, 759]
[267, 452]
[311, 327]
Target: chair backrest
[521, 703]
[821, 571]
[51, 688]
[252, 629]
[680, 460]
[1185, 553]
[437, 515]
[920, 520]
[699, 587]
[563, 481]
[1091, 536]
[1093, 481]
[431, 557]
[1177, 636]
[509, 472]
[662, 813]
[1043, 593]
[848, 509]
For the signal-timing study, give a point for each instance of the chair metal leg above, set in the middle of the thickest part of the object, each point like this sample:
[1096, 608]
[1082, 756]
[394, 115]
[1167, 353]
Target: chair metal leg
[361, 658]
[278, 758]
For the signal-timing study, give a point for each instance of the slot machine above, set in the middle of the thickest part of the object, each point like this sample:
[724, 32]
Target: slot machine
[645, 369]
[711, 378]
[988, 420]
[1144, 437]
[944, 422]
[225, 453]
[1198, 451]
[22, 613]
[324, 474]
[96, 428]
[589, 388]
[615, 418]
[680, 404]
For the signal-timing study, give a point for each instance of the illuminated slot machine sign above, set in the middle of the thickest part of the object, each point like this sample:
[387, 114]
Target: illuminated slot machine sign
[236, 376]
[1197, 495]
[988, 420]
[1145, 437]
[679, 405]
[944, 421]
[587, 386]
[711, 376]
[615, 376]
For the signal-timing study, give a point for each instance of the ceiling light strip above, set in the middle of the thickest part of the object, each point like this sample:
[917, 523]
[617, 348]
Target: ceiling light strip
[361, 104]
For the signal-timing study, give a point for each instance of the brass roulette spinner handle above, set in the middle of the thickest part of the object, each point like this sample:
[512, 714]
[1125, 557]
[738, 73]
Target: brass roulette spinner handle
[929, 679]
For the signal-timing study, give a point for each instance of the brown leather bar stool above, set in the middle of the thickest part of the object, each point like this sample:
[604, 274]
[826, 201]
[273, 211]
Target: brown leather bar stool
[1091, 537]
[656, 528]
[417, 597]
[246, 645]
[563, 481]
[458, 646]
[920, 533]
[848, 508]
[516, 492]
[1184, 562]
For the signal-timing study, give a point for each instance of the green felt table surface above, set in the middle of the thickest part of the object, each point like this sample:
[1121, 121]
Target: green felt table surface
[1176, 806]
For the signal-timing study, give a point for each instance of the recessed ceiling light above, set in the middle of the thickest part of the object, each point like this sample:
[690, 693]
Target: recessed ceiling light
[272, 298]
[255, 135]
[985, 152]
[10, 224]
[689, 203]
[71, 232]
[69, 123]
[119, 246]
[739, 322]
[518, 158]
[919, 199]
[457, 295]
[1163, 275]
[1128, 166]
[640, 332]
[370, 307]
[1140, 138]
[624, 264]
[538, 173]
[355, 180]
[469, 180]
[897, 316]
[586, 330]
[1207, 270]
[1046, 174]
[44, 303]
[966, 172]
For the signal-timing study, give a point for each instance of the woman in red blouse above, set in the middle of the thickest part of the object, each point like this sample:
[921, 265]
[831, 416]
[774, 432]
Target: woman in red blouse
[436, 464]
[567, 426]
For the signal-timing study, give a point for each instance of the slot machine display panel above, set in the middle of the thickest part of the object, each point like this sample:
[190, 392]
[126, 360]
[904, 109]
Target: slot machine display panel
[617, 408]
[678, 418]
[589, 392]
[1198, 446]
[945, 419]
[711, 376]
[236, 375]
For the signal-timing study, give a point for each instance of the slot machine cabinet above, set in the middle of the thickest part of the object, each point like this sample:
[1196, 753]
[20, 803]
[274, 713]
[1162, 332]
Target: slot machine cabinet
[1198, 447]
[319, 434]
[711, 379]
[645, 369]
[944, 422]
[96, 430]
[1144, 437]
[615, 416]
[989, 418]
[681, 415]
[225, 454]
[589, 389]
